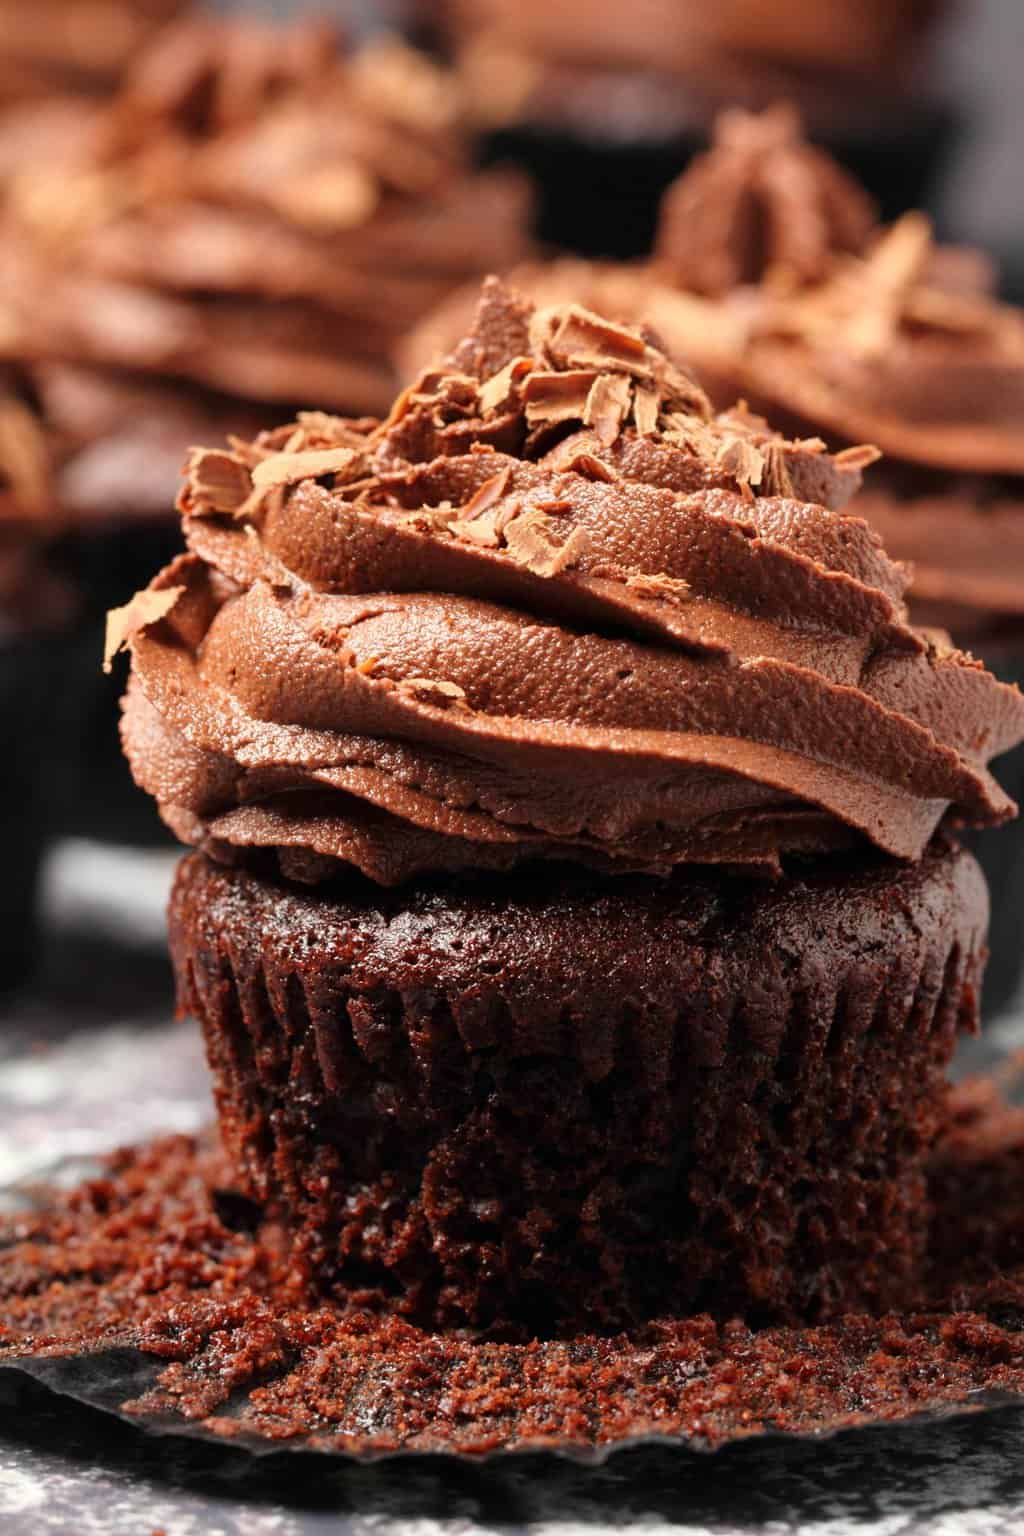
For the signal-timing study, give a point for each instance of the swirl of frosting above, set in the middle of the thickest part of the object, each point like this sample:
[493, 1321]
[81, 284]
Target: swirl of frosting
[551, 607]
[761, 205]
[888, 350]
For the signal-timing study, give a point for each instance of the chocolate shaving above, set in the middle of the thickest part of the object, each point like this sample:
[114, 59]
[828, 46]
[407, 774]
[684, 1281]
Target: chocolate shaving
[146, 608]
[473, 524]
[531, 542]
[432, 690]
[429, 519]
[588, 465]
[741, 459]
[646, 409]
[322, 430]
[289, 468]
[862, 456]
[217, 480]
[581, 339]
[552, 398]
[670, 589]
[486, 495]
[608, 406]
[776, 479]
[496, 391]
[693, 434]
[680, 392]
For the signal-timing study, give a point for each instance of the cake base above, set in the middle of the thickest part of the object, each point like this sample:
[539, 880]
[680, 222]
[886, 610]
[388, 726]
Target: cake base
[551, 1104]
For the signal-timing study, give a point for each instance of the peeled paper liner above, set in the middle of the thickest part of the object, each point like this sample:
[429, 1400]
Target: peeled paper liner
[108, 1378]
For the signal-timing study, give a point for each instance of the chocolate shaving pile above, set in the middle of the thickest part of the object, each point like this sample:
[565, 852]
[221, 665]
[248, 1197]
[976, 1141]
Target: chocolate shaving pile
[160, 1255]
[893, 290]
[580, 387]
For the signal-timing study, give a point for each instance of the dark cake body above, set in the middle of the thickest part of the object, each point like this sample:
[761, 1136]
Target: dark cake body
[551, 1103]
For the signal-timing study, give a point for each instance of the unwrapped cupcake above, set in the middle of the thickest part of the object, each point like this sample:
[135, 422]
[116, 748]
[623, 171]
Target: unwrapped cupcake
[574, 924]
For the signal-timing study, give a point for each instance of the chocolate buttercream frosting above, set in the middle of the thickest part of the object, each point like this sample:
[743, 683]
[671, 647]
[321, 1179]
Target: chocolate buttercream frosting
[933, 375]
[761, 205]
[888, 338]
[552, 606]
[257, 215]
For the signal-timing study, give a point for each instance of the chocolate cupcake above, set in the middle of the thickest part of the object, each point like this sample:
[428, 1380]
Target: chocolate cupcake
[246, 229]
[573, 926]
[761, 217]
[606, 105]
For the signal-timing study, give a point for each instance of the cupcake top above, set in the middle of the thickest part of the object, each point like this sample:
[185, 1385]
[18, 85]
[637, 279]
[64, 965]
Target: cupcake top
[867, 333]
[552, 606]
[256, 215]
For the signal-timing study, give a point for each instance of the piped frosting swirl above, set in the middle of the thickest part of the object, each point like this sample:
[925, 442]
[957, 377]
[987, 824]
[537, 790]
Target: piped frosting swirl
[762, 205]
[553, 606]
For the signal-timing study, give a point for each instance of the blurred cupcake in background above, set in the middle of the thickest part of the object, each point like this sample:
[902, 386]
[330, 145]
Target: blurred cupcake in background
[35, 610]
[606, 104]
[863, 333]
[248, 227]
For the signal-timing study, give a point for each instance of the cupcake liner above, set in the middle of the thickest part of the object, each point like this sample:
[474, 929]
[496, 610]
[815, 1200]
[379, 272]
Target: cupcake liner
[146, 1291]
[548, 1106]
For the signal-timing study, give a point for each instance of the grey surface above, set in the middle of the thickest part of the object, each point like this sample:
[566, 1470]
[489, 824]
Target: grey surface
[94, 1059]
